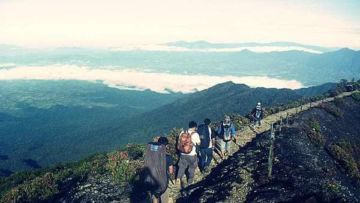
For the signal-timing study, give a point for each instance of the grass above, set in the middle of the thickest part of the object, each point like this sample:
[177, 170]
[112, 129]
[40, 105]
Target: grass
[343, 153]
[332, 109]
[43, 185]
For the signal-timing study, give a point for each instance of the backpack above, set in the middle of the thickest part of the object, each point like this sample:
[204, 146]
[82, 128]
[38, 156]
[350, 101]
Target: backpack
[185, 144]
[155, 173]
[204, 135]
[226, 132]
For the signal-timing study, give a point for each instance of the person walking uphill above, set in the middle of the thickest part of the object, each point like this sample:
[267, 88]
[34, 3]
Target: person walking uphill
[226, 134]
[187, 142]
[154, 176]
[207, 143]
[164, 197]
[257, 114]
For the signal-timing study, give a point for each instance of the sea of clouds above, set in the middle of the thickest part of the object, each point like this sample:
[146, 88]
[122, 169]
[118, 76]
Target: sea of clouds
[139, 80]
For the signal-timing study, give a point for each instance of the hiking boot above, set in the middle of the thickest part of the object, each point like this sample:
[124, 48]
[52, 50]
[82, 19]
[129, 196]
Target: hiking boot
[206, 170]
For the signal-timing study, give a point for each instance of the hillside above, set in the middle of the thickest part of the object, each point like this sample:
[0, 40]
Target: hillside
[211, 103]
[46, 122]
[315, 160]
[299, 153]
[106, 177]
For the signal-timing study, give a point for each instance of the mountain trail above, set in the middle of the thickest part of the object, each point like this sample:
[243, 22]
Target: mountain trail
[245, 136]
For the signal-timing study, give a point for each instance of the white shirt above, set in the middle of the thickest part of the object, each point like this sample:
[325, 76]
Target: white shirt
[195, 139]
[210, 145]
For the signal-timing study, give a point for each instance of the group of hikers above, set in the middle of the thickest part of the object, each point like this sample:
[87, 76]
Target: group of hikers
[195, 147]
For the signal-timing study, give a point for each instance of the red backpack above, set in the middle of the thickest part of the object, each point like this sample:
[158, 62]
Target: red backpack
[185, 144]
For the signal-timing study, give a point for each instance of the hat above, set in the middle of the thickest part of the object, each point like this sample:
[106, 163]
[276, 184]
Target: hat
[207, 121]
[258, 106]
[227, 119]
[163, 140]
[192, 124]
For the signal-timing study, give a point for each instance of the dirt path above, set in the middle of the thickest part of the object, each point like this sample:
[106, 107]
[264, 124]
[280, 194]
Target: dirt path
[247, 135]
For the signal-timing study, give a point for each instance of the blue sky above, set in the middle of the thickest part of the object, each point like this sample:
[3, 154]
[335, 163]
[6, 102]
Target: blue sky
[115, 23]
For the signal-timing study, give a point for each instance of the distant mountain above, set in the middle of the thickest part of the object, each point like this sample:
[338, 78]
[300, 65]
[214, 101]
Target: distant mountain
[308, 68]
[201, 44]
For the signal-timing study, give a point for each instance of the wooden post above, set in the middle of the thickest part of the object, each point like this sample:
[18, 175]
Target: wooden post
[271, 151]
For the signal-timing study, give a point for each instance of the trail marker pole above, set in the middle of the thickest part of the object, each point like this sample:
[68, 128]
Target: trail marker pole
[287, 118]
[271, 151]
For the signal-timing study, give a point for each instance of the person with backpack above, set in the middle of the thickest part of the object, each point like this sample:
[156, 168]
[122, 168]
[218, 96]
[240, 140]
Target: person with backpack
[257, 114]
[156, 171]
[226, 132]
[187, 142]
[164, 198]
[207, 143]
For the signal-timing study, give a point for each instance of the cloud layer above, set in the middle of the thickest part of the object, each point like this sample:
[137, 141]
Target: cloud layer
[138, 80]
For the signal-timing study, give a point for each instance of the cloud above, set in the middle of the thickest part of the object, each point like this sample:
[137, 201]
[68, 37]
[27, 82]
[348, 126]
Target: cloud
[138, 80]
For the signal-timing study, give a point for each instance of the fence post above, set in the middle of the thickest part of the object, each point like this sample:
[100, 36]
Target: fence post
[287, 118]
[271, 151]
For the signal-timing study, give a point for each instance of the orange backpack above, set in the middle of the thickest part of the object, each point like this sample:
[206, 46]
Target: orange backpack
[185, 144]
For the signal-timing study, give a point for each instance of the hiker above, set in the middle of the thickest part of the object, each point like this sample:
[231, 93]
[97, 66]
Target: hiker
[207, 143]
[257, 114]
[164, 198]
[226, 134]
[187, 142]
[156, 169]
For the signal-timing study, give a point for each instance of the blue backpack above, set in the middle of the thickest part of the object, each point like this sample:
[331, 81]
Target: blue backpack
[203, 131]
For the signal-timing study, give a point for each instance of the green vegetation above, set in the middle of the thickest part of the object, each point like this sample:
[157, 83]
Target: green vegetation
[356, 96]
[46, 183]
[67, 120]
[332, 109]
[343, 152]
[314, 133]
[315, 125]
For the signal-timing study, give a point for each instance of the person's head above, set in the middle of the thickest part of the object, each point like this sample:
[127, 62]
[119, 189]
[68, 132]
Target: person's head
[163, 141]
[207, 121]
[258, 105]
[192, 124]
[227, 120]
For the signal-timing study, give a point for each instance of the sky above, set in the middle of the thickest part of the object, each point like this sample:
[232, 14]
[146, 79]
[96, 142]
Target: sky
[116, 23]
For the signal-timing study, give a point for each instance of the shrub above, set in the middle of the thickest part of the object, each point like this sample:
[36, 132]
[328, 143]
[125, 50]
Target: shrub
[136, 151]
[314, 133]
[338, 102]
[340, 152]
[356, 96]
[118, 164]
[38, 189]
[315, 125]
[332, 109]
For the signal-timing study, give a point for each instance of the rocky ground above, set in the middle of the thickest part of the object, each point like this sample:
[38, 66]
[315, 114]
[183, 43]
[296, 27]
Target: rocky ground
[97, 189]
